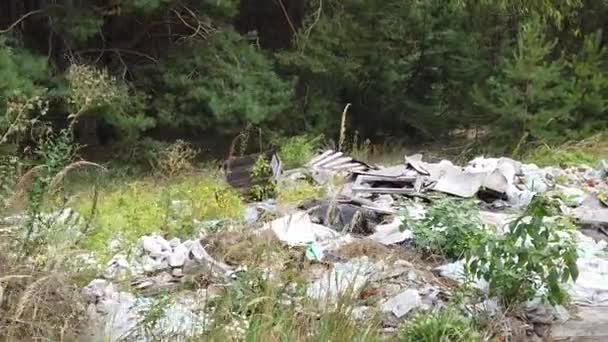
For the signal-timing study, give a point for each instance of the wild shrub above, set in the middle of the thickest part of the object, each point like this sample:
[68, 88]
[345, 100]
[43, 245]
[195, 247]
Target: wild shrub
[175, 159]
[450, 228]
[263, 184]
[297, 150]
[535, 258]
[40, 304]
[298, 192]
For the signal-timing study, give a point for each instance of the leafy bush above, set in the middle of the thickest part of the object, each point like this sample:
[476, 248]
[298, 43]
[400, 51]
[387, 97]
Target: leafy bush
[534, 258]
[297, 150]
[175, 159]
[263, 185]
[444, 326]
[450, 228]
[94, 91]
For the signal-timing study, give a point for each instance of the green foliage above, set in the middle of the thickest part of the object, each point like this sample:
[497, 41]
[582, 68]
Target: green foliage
[535, 258]
[444, 326]
[94, 91]
[297, 150]
[588, 151]
[298, 192]
[143, 208]
[225, 80]
[259, 308]
[21, 91]
[527, 100]
[589, 87]
[263, 184]
[450, 228]
[54, 154]
[9, 171]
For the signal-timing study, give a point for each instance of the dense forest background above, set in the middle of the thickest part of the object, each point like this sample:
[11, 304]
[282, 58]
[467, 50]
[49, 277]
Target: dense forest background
[515, 72]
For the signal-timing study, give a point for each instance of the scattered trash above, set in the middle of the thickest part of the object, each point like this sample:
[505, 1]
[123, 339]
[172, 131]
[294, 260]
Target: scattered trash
[391, 233]
[343, 279]
[299, 230]
[336, 161]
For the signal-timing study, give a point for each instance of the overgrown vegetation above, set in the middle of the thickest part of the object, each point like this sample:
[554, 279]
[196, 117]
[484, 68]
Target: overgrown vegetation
[450, 228]
[534, 259]
[522, 73]
[444, 326]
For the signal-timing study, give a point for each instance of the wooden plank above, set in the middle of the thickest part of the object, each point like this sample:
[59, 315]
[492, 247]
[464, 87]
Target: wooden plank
[380, 178]
[384, 190]
[337, 162]
[321, 163]
[319, 157]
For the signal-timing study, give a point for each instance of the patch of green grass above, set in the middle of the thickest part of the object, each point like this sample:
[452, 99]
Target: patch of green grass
[588, 151]
[145, 207]
[298, 192]
[444, 326]
[257, 308]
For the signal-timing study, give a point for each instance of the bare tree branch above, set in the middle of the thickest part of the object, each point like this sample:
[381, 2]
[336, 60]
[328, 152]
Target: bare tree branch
[25, 16]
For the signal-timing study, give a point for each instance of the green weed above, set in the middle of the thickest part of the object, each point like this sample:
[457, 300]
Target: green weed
[450, 228]
[444, 326]
[257, 308]
[144, 207]
[298, 192]
[588, 151]
[534, 258]
[298, 150]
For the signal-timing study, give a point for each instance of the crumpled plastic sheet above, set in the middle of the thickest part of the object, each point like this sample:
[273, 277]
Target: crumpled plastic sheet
[299, 230]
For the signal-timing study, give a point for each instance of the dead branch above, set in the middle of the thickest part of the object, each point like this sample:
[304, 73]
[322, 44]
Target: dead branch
[286, 14]
[201, 30]
[25, 16]
[116, 50]
[63, 173]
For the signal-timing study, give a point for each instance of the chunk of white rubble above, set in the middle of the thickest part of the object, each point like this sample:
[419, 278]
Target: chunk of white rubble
[572, 197]
[403, 303]
[151, 245]
[455, 271]
[179, 256]
[344, 279]
[391, 233]
[117, 267]
[251, 215]
[299, 230]
[591, 286]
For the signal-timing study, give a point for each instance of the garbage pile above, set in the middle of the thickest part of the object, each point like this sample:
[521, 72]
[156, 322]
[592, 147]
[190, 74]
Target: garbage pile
[367, 210]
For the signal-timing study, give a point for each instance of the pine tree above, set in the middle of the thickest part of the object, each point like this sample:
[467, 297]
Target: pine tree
[528, 99]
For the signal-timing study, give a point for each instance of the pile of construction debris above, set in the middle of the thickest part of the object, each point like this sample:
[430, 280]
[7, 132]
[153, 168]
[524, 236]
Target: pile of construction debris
[366, 210]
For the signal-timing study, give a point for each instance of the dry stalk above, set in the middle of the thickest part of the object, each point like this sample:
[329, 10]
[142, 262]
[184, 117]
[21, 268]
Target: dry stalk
[343, 128]
[69, 168]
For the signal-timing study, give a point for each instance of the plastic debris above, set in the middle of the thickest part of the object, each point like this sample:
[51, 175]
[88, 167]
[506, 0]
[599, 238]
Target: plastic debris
[391, 233]
[298, 230]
